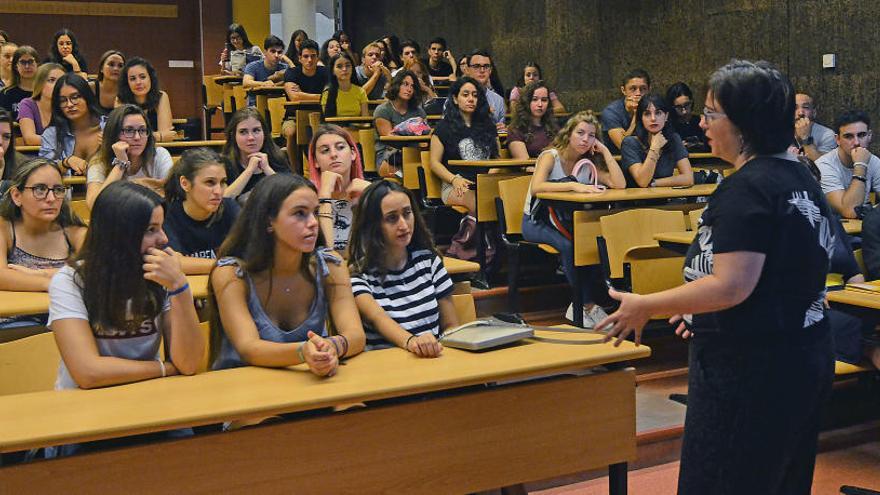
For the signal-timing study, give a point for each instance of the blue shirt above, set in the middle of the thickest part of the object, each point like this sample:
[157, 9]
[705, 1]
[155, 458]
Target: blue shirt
[614, 116]
[257, 69]
[632, 152]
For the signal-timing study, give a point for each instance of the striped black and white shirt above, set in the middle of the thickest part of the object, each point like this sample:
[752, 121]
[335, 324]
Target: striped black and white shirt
[409, 295]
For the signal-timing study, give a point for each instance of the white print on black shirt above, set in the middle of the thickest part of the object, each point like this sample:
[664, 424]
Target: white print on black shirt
[468, 150]
[811, 212]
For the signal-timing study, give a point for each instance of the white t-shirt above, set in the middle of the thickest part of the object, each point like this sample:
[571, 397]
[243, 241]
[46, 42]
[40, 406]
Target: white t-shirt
[837, 177]
[159, 169]
[66, 301]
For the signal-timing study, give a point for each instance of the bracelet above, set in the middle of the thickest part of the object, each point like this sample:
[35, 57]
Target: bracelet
[406, 345]
[861, 178]
[335, 346]
[457, 176]
[162, 368]
[172, 293]
[856, 164]
[299, 352]
[345, 346]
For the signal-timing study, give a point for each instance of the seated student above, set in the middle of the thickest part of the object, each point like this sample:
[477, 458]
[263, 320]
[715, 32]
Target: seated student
[533, 125]
[850, 172]
[329, 49]
[291, 57]
[650, 156]
[65, 51]
[198, 217]
[265, 72]
[336, 171]
[399, 283]
[38, 233]
[343, 98]
[577, 151]
[409, 50]
[238, 51]
[140, 86]
[24, 70]
[35, 113]
[275, 286]
[404, 97]
[462, 69]
[392, 51]
[128, 152]
[346, 46]
[111, 308]
[75, 133]
[619, 117]
[532, 72]
[250, 153]
[9, 158]
[812, 138]
[480, 68]
[106, 88]
[7, 50]
[441, 63]
[372, 75]
[684, 122]
[304, 82]
[466, 132]
[420, 70]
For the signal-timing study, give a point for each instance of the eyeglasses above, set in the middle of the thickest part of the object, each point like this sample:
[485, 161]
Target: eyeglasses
[479, 67]
[40, 191]
[131, 132]
[711, 115]
[686, 106]
[73, 99]
[27, 63]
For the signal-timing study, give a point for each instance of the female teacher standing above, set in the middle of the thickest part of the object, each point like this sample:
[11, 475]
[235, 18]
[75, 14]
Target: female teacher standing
[761, 362]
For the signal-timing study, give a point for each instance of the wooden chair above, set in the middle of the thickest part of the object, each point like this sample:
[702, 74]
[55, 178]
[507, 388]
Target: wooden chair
[29, 364]
[464, 308]
[367, 140]
[509, 206]
[694, 218]
[276, 114]
[631, 257]
[239, 96]
[430, 195]
[212, 102]
[81, 209]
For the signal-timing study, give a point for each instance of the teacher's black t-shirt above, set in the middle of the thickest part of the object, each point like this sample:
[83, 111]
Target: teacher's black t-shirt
[771, 206]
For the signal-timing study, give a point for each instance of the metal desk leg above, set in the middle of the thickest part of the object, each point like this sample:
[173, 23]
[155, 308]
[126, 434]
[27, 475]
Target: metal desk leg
[617, 479]
[577, 299]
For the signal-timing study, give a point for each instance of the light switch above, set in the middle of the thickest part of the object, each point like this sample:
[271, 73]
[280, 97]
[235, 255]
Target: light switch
[829, 61]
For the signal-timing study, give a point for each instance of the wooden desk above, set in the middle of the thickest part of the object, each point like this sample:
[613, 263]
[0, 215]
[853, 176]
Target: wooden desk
[400, 141]
[181, 146]
[73, 180]
[676, 241]
[28, 149]
[357, 119]
[852, 226]
[855, 298]
[262, 95]
[469, 440]
[221, 80]
[492, 163]
[630, 194]
[16, 303]
[456, 266]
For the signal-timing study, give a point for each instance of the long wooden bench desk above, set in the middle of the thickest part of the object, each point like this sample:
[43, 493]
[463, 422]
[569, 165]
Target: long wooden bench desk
[15, 303]
[473, 437]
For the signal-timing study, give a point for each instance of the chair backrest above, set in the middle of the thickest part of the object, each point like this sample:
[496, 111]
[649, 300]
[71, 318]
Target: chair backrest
[513, 197]
[276, 114]
[632, 228]
[240, 96]
[694, 218]
[487, 185]
[860, 260]
[205, 364]
[432, 182]
[29, 364]
[213, 92]
[368, 149]
[464, 308]
[81, 208]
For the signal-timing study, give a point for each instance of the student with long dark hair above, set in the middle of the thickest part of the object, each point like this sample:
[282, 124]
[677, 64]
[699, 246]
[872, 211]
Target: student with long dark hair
[38, 232]
[250, 152]
[112, 306]
[275, 287]
[140, 86]
[128, 152]
[392, 51]
[404, 102]
[65, 51]
[684, 121]
[9, 158]
[35, 112]
[295, 45]
[400, 285]
[75, 134]
[467, 132]
[533, 125]
[198, 217]
[24, 70]
[106, 88]
[343, 98]
[336, 171]
[238, 51]
[329, 49]
[532, 73]
[652, 153]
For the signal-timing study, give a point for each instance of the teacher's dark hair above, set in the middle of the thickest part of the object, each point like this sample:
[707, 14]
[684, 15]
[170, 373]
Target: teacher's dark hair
[759, 100]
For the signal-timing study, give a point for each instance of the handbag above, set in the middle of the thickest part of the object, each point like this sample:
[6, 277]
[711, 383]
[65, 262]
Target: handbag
[415, 126]
[560, 218]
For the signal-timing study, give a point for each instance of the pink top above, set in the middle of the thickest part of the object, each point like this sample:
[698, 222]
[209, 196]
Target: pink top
[514, 95]
[28, 109]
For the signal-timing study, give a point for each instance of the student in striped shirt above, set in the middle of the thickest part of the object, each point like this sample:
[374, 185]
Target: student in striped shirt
[401, 289]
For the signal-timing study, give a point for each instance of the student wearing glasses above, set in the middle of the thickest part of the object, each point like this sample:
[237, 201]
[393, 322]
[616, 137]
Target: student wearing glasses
[75, 133]
[128, 152]
[685, 123]
[24, 70]
[38, 233]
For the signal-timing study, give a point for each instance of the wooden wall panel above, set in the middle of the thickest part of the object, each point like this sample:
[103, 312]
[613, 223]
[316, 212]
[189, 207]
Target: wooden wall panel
[585, 46]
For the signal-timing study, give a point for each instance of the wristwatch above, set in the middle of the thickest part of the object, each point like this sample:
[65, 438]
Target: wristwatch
[861, 178]
[120, 163]
[808, 141]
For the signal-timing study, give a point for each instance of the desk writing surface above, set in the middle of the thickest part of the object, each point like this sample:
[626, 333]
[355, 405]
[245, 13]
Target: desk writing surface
[72, 180]
[851, 297]
[852, 226]
[267, 90]
[405, 139]
[683, 237]
[455, 266]
[213, 143]
[302, 104]
[17, 303]
[353, 118]
[497, 162]
[630, 194]
[221, 80]
[59, 417]
[28, 149]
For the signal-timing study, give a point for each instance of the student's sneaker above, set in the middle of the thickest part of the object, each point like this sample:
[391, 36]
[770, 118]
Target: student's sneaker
[591, 317]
